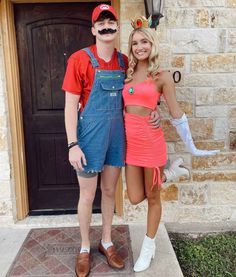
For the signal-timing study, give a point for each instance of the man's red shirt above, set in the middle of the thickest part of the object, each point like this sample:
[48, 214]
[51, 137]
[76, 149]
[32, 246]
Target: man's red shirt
[80, 73]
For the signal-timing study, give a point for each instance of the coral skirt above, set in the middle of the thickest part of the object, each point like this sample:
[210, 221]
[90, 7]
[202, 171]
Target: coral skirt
[145, 146]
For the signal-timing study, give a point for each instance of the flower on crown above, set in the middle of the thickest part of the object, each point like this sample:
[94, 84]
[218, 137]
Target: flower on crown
[141, 22]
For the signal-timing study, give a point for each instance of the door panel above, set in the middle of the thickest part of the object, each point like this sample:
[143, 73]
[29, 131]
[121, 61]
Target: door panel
[47, 34]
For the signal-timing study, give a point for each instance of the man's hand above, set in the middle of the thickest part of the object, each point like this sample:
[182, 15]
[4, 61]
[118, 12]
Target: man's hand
[155, 119]
[77, 158]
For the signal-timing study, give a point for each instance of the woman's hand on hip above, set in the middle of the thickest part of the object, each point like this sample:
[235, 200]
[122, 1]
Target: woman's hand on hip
[155, 119]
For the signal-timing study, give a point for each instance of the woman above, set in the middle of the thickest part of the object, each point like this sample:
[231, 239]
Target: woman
[146, 153]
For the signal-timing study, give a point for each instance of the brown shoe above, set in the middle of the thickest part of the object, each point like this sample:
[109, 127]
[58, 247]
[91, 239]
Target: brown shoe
[113, 259]
[82, 267]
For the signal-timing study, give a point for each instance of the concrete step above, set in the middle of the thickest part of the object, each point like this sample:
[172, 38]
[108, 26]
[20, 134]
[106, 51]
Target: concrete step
[165, 263]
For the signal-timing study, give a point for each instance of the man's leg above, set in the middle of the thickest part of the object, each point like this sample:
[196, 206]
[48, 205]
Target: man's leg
[87, 193]
[109, 178]
[88, 187]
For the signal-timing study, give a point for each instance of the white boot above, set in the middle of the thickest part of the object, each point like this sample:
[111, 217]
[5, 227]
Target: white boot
[175, 171]
[147, 253]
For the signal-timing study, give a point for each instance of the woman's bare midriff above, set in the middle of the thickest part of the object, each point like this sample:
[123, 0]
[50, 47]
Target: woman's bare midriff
[138, 110]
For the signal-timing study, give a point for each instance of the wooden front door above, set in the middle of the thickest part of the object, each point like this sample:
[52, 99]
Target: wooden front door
[47, 34]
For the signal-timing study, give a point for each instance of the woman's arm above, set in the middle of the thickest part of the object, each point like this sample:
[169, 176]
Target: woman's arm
[168, 91]
[179, 121]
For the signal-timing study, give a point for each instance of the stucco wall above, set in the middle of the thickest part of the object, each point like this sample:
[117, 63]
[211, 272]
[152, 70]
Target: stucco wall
[198, 38]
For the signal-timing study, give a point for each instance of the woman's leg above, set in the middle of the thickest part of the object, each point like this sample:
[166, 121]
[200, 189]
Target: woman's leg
[148, 248]
[154, 202]
[135, 183]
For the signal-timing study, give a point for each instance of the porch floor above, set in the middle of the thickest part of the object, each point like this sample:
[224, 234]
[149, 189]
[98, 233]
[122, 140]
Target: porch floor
[164, 264]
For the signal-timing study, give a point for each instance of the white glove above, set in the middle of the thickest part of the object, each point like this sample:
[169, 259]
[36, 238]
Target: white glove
[182, 128]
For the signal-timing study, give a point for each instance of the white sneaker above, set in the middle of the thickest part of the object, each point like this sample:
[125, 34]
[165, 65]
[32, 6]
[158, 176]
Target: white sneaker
[175, 170]
[147, 253]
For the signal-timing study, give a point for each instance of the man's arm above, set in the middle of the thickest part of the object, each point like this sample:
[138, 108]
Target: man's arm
[76, 156]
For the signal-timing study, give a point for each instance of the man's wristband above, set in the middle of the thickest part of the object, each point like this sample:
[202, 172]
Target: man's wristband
[72, 144]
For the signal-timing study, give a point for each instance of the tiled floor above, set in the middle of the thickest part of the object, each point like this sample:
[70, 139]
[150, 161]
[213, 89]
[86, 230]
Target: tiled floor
[52, 252]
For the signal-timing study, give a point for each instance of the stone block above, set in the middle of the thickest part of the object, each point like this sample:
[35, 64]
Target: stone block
[178, 61]
[3, 142]
[5, 207]
[231, 3]
[210, 145]
[5, 190]
[187, 41]
[185, 94]
[232, 122]
[221, 130]
[216, 176]
[225, 96]
[232, 112]
[202, 18]
[232, 118]
[169, 193]
[186, 107]
[164, 55]
[169, 211]
[219, 161]
[213, 63]
[193, 194]
[204, 96]
[232, 140]
[171, 147]
[212, 111]
[200, 129]
[169, 131]
[125, 31]
[195, 3]
[203, 214]
[231, 41]
[135, 213]
[209, 80]
[223, 18]
[179, 18]
[130, 9]
[223, 194]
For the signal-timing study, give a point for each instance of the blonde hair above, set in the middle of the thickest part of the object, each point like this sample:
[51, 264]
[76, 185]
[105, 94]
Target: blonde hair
[153, 65]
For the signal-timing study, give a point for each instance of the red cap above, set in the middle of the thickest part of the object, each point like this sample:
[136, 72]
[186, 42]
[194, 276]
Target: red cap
[102, 8]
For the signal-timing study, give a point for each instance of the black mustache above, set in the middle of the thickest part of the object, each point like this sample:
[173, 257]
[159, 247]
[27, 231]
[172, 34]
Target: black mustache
[107, 31]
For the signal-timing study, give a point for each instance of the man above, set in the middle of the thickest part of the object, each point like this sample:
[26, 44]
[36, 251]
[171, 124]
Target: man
[94, 80]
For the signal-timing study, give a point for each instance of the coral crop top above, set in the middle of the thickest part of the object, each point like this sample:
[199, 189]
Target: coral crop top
[141, 94]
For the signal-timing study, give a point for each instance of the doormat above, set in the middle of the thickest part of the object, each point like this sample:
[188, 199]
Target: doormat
[53, 251]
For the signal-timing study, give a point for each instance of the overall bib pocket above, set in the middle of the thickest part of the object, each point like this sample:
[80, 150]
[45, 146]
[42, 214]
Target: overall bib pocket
[110, 95]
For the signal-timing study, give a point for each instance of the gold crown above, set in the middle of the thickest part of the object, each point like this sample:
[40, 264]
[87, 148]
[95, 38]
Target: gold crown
[141, 22]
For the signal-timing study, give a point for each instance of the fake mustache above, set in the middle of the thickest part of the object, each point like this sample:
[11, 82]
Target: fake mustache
[107, 31]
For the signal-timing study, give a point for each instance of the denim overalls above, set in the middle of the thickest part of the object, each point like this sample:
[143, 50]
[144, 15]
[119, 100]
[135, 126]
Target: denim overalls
[100, 129]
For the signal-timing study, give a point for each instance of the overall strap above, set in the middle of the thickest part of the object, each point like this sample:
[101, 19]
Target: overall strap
[94, 61]
[121, 60]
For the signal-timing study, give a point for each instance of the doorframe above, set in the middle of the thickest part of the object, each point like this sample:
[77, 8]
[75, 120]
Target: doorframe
[12, 75]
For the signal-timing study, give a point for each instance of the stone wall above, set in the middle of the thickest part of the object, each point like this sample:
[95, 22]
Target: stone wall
[198, 38]
[6, 189]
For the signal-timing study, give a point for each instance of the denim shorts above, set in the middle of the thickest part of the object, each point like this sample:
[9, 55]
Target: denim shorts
[102, 140]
